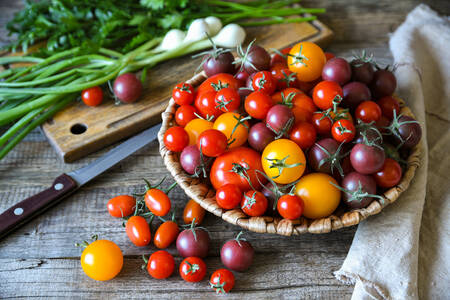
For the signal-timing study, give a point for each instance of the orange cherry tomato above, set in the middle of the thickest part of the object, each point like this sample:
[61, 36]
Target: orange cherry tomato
[195, 127]
[157, 202]
[121, 206]
[227, 122]
[307, 60]
[166, 233]
[138, 231]
[102, 260]
[193, 210]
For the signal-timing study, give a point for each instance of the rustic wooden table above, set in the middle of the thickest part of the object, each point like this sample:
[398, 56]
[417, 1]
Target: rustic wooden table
[40, 260]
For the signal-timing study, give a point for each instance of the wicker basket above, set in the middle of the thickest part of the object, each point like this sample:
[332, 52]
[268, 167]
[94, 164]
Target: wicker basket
[204, 194]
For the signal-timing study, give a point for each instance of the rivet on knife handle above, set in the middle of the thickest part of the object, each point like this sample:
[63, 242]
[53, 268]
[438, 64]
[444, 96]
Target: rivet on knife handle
[28, 208]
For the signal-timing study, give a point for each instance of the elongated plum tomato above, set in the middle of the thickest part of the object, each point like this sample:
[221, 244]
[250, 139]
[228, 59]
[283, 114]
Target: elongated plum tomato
[195, 127]
[192, 211]
[228, 196]
[234, 127]
[290, 206]
[138, 231]
[127, 88]
[185, 114]
[157, 202]
[214, 83]
[326, 93]
[166, 234]
[237, 254]
[389, 175]
[257, 104]
[227, 99]
[254, 203]
[102, 260]
[183, 94]
[228, 167]
[160, 264]
[319, 196]
[176, 139]
[192, 269]
[222, 281]
[283, 160]
[306, 59]
[92, 96]
[121, 206]
[212, 142]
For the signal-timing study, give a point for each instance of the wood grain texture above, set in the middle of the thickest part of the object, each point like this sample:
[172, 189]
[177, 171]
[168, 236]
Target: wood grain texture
[39, 260]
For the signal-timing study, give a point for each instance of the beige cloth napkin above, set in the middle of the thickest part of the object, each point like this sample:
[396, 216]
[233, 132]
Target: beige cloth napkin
[404, 252]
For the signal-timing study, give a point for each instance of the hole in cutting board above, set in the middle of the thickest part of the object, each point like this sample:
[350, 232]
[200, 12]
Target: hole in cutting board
[78, 128]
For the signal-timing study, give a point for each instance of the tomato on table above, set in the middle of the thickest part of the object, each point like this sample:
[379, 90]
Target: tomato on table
[102, 260]
[195, 127]
[306, 59]
[166, 234]
[222, 281]
[138, 231]
[389, 175]
[121, 206]
[290, 206]
[227, 99]
[343, 131]
[212, 142]
[183, 93]
[192, 211]
[368, 111]
[160, 264]
[327, 94]
[185, 114]
[235, 128]
[157, 202]
[228, 196]
[92, 96]
[176, 139]
[192, 269]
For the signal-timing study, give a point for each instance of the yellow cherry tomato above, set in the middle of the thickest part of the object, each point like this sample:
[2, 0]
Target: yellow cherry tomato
[320, 197]
[229, 122]
[195, 127]
[283, 160]
[306, 59]
[102, 260]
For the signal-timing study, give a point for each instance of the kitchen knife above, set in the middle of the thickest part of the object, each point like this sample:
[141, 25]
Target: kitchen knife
[66, 184]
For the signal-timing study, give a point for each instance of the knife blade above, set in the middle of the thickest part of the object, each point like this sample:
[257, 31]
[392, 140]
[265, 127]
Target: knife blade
[66, 184]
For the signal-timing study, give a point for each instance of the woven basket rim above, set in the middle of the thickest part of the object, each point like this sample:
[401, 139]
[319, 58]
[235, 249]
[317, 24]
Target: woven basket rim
[204, 194]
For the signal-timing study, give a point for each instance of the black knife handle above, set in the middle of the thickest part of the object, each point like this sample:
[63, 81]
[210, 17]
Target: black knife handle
[25, 210]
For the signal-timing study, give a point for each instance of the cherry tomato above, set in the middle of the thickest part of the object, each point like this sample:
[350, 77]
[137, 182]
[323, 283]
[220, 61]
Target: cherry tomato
[92, 96]
[222, 281]
[102, 260]
[212, 142]
[157, 202]
[160, 264]
[195, 127]
[254, 203]
[206, 104]
[138, 231]
[389, 175]
[290, 206]
[228, 167]
[303, 134]
[227, 100]
[388, 104]
[192, 211]
[322, 123]
[329, 55]
[303, 101]
[264, 82]
[121, 206]
[183, 93]
[341, 113]
[192, 269]
[319, 196]
[185, 114]
[343, 131]
[276, 58]
[283, 76]
[327, 93]
[257, 104]
[176, 139]
[166, 234]
[228, 196]
[368, 111]
[219, 81]
[307, 60]
[234, 127]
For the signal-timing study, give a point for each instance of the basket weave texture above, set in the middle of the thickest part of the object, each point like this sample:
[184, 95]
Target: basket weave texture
[204, 194]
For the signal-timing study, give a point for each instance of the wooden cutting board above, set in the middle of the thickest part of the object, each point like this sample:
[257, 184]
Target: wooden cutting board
[79, 130]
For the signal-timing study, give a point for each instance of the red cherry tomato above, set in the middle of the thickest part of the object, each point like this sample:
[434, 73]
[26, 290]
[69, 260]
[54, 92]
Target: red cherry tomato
[254, 203]
[343, 131]
[303, 134]
[368, 111]
[92, 96]
[228, 196]
[192, 269]
[388, 104]
[322, 123]
[166, 234]
[176, 139]
[222, 281]
[212, 142]
[205, 103]
[283, 76]
[183, 93]
[279, 58]
[290, 206]
[257, 104]
[121, 206]
[138, 231]
[160, 264]
[389, 175]
[219, 81]
[227, 100]
[192, 211]
[329, 55]
[326, 93]
[157, 202]
[185, 114]
[264, 82]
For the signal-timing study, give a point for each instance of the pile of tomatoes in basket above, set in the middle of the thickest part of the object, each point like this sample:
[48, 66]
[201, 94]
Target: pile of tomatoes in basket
[292, 133]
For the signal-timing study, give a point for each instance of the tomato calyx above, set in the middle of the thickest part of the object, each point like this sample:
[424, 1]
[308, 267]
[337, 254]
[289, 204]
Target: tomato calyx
[333, 158]
[359, 195]
[145, 259]
[214, 52]
[261, 82]
[360, 59]
[342, 129]
[336, 101]
[84, 244]
[184, 88]
[238, 238]
[250, 200]
[222, 104]
[202, 169]
[242, 171]
[276, 190]
[192, 268]
[287, 100]
[207, 118]
[219, 85]
[193, 227]
[218, 287]
[394, 127]
[243, 57]
[283, 132]
[279, 53]
[299, 57]
[371, 143]
[240, 121]
[288, 78]
[280, 164]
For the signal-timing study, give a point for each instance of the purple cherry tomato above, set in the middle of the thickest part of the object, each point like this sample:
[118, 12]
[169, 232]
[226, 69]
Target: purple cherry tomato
[196, 245]
[127, 88]
[383, 83]
[323, 156]
[354, 93]
[237, 255]
[337, 69]
[362, 71]
[190, 159]
[222, 63]
[258, 59]
[409, 131]
[352, 182]
[367, 159]
[280, 119]
[260, 136]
